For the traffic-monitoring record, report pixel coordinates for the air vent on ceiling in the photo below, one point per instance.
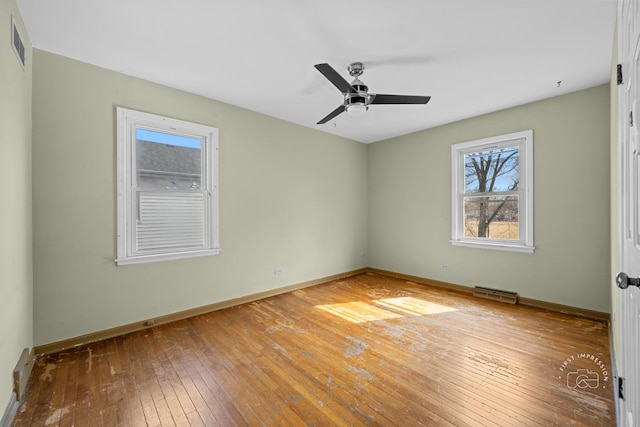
(495, 294)
(16, 42)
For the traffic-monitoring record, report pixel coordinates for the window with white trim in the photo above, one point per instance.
(167, 188)
(492, 192)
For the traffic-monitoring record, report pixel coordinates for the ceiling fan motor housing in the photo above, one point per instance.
(353, 98)
(357, 104)
(360, 97)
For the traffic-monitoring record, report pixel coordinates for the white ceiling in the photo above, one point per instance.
(472, 57)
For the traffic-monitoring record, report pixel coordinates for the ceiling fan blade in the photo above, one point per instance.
(398, 99)
(335, 78)
(331, 115)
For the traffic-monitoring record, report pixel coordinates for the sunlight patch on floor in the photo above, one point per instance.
(358, 312)
(384, 309)
(414, 306)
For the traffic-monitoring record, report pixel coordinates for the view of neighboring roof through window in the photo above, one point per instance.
(167, 160)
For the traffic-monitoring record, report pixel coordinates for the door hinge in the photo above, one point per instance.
(621, 388)
(619, 74)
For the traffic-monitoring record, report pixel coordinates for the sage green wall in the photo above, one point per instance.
(302, 200)
(409, 203)
(16, 284)
(291, 197)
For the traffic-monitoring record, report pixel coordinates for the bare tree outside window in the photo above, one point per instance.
(491, 193)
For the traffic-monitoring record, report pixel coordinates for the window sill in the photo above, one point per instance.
(500, 246)
(142, 259)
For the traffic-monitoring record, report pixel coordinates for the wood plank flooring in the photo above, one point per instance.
(366, 350)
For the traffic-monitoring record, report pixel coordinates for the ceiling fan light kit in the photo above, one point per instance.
(356, 94)
(357, 109)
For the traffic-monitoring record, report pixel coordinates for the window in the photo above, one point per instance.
(167, 188)
(492, 192)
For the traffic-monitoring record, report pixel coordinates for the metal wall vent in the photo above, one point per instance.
(16, 42)
(495, 294)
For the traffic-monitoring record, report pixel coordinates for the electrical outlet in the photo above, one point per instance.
(277, 271)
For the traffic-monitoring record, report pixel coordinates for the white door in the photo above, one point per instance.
(629, 136)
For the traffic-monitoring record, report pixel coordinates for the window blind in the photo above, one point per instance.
(170, 220)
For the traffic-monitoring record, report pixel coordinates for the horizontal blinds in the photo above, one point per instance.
(170, 220)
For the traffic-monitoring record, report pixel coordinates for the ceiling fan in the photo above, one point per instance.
(356, 96)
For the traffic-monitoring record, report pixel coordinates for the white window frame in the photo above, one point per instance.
(127, 123)
(524, 140)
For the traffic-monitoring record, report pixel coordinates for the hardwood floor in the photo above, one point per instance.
(366, 350)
